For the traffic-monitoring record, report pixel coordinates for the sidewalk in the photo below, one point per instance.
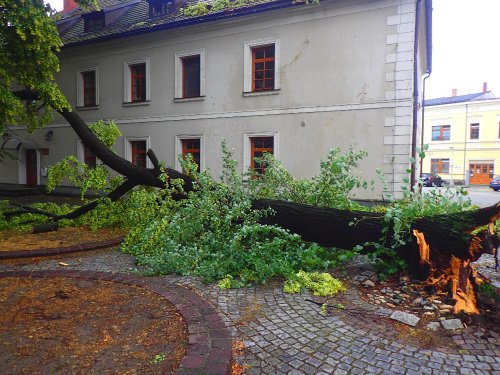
(286, 334)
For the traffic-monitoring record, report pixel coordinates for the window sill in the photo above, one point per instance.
(261, 93)
(193, 99)
(135, 104)
(89, 108)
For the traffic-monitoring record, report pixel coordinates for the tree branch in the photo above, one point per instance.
(113, 196)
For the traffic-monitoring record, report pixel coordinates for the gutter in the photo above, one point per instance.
(428, 34)
(223, 15)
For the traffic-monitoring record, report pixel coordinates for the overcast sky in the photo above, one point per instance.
(466, 46)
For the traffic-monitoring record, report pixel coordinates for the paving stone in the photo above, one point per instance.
(405, 317)
(287, 336)
(452, 324)
(433, 326)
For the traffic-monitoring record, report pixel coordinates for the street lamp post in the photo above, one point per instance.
(451, 167)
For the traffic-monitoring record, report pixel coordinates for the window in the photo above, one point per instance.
(441, 133)
(87, 88)
(138, 82)
(94, 21)
(85, 155)
(258, 147)
(190, 75)
(474, 131)
(440, 165)
(138, 153)
(89, 95)
(189, 144)
(161, 8)
(261, 67)
(136, 90)
(192, 146)
(89, 157)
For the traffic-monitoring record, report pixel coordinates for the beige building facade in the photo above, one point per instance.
(333, 74)
(463, 134)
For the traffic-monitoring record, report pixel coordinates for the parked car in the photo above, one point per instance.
(495, 184)
(432, 179)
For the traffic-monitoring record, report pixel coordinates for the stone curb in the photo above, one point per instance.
(209, 345)
(60, 250)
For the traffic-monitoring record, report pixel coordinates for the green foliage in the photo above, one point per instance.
(158, 358)
(216, 235)
(331, 188)
(387, 262)
(195, 10)
(200, 9)
(30, 42)
(25, 222)
(320, 284)
(228, 282)
(106, 131)
(487, 289)
(401, 213)
(95, 179)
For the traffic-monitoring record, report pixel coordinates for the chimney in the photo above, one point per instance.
(69, 5)
(453, 92)
(485, 87)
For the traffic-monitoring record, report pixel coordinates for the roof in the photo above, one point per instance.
(459, 99)
(131, 17)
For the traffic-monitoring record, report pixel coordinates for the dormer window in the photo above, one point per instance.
(94, 21)
(159, 8)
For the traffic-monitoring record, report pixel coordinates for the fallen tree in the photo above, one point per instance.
(439, 248)
(439, 252)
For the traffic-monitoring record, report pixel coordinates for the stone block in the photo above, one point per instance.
(452, 324)
(405, 318)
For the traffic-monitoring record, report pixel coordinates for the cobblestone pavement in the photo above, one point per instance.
(286, 334)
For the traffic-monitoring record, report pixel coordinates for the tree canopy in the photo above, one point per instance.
(28, 61)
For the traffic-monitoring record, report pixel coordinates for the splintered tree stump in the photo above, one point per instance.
(440, 253)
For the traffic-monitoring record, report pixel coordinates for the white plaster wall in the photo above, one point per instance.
(345, 72)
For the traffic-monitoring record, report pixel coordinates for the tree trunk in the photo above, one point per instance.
(440, 251)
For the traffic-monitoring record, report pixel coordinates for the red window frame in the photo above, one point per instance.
(186, 76)
(440, 165)
(89, 88)
(474, 131)
(263, 68)
(138, 153)
(89, 157)
(257, 149)
(192, 146)
(138, 82)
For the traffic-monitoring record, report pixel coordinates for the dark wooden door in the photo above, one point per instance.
(31, 168)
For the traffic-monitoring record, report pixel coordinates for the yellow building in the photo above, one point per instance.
(463, 134)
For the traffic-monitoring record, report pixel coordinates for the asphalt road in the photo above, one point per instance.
(482, 196)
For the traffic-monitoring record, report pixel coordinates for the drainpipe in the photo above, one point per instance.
(415, 95)
(466, 180)
(427, 75)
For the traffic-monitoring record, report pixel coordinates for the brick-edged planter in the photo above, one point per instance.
(209, 340)
(44, 252)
